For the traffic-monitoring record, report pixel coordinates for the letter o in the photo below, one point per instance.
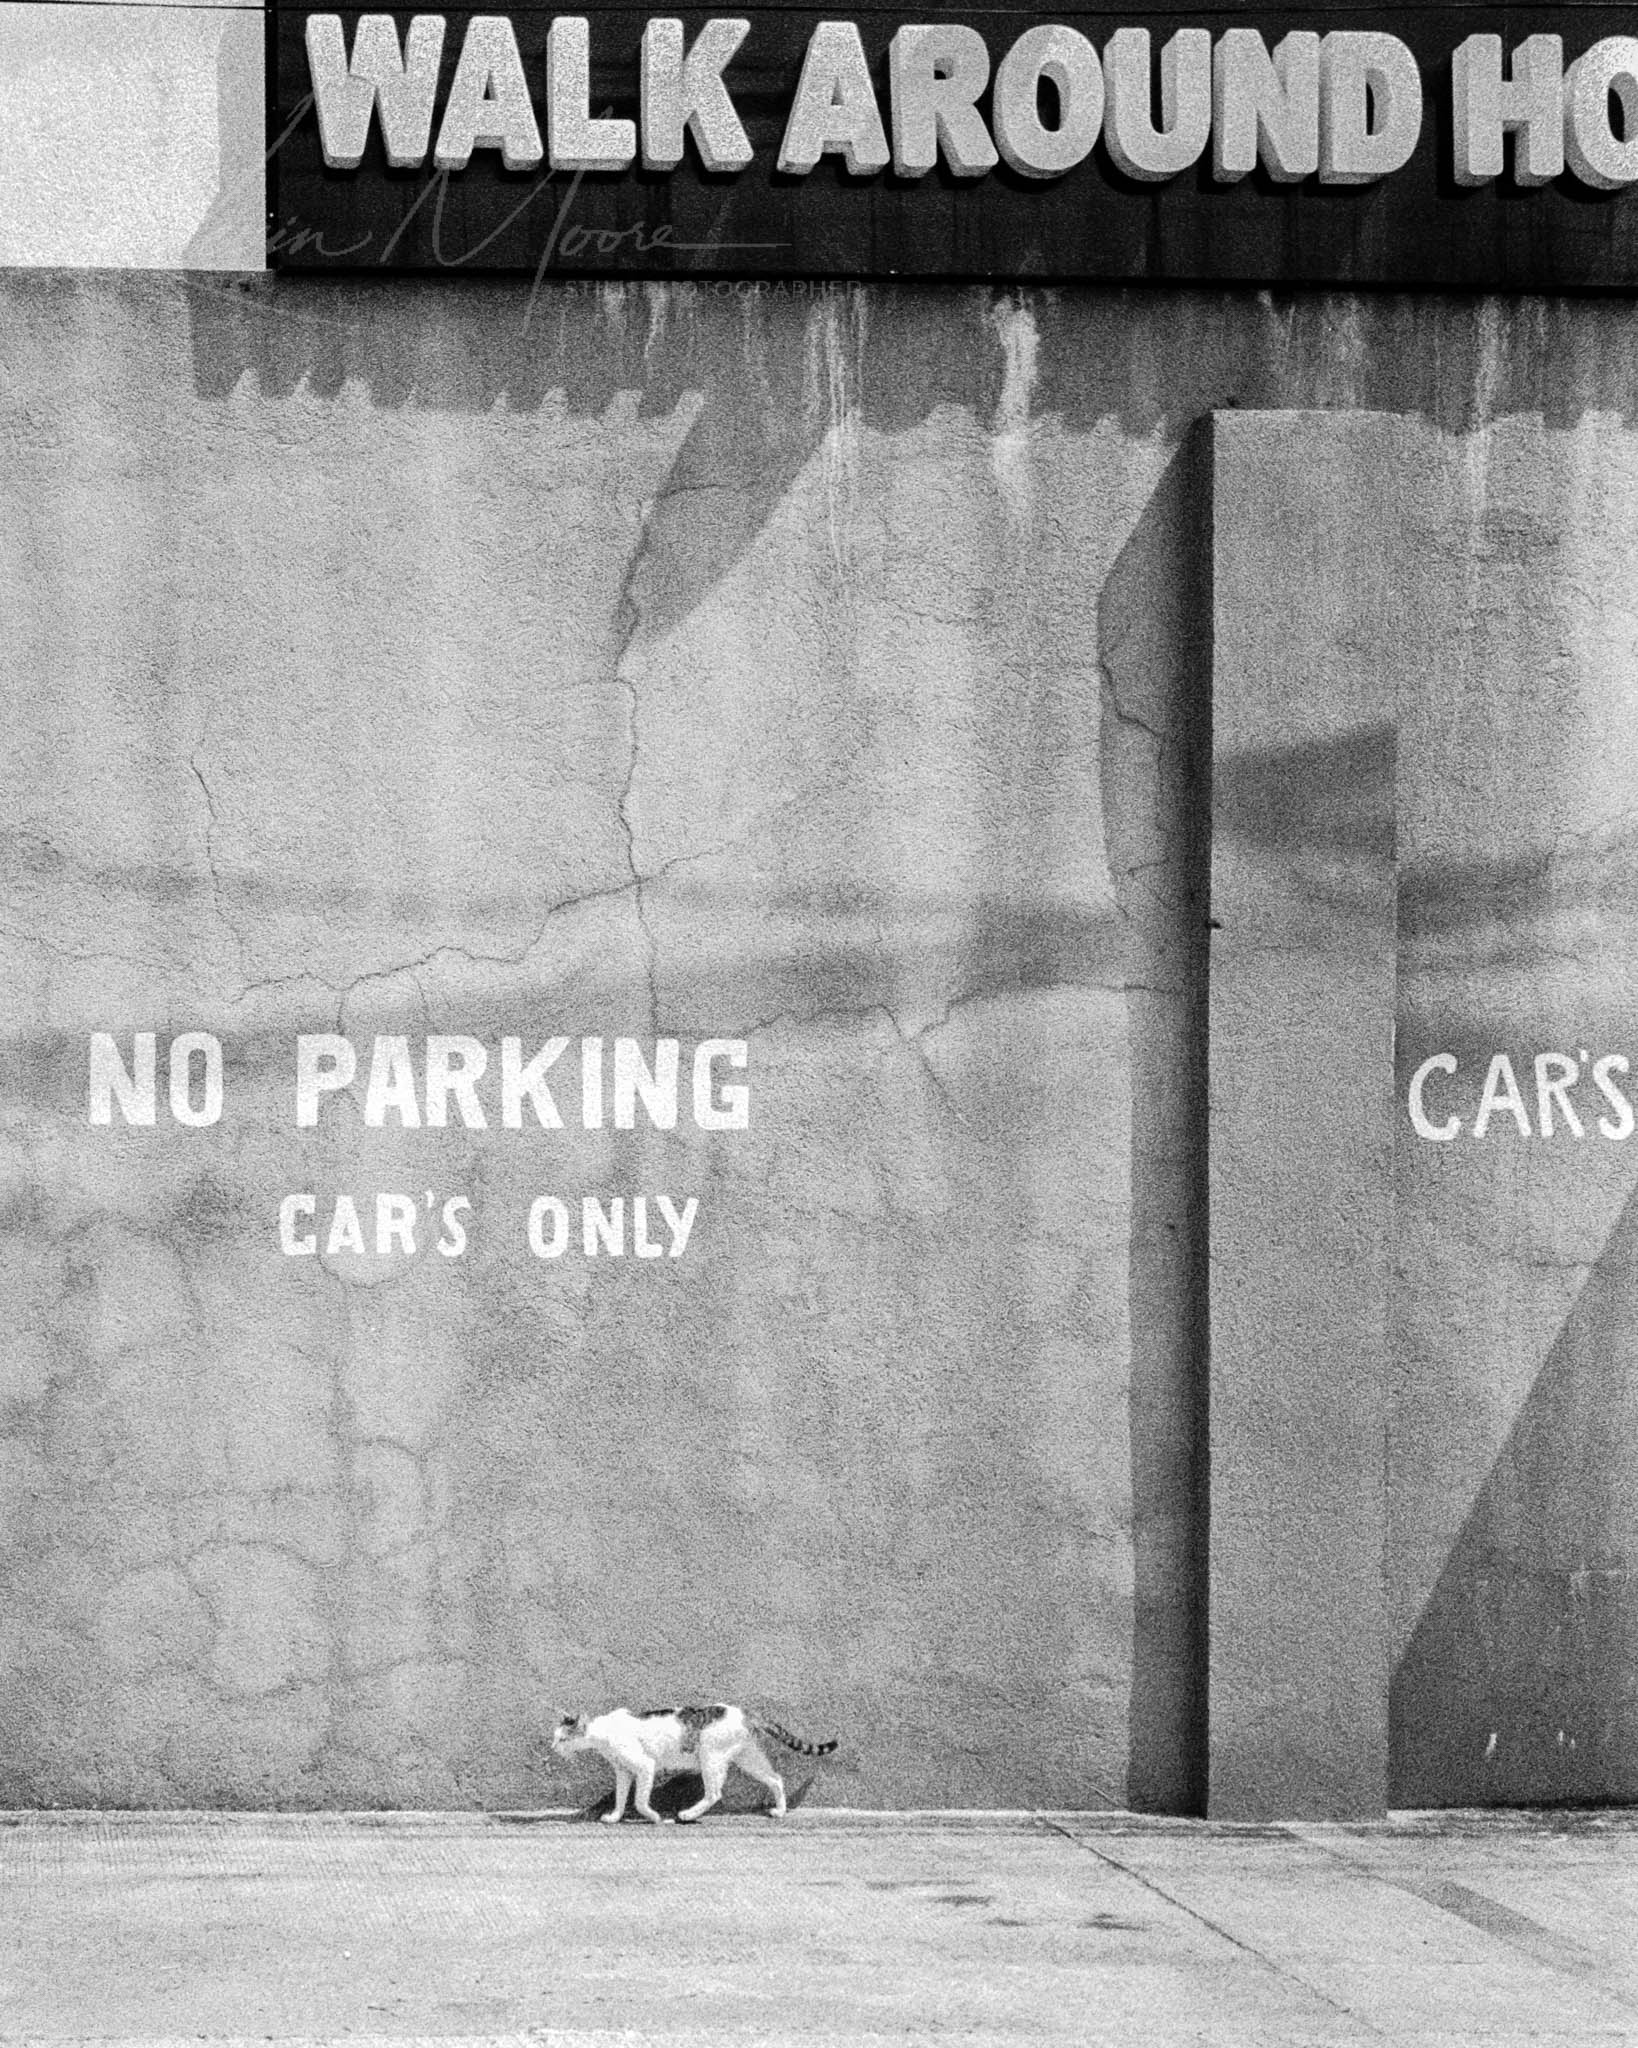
(1069, 60)
(182, 1052)
(1438, 1063)
(1591, 148)
(554, 1246)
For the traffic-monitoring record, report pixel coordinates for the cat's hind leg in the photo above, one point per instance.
(645, 1785)
(714, 1770)
(622, 1785)
(755, 1765)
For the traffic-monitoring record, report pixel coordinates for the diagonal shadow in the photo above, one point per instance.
(1519, 1685)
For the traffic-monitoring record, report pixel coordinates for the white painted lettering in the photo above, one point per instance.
(543, 1211)
(633, 1080)
(394, 1220)
(325, 1062)
(391, 1085)
(1613, 1063)
(107, 1080)
(520, 1083)
(1556, 1073)
(733, 1111)
(641, 1243)
(1501, 1091)
(455, 1065)
(183, 1049)
(294, 1243)
(679, 1224)
(346, 1232)
(603, 1230)
(1421, 1122)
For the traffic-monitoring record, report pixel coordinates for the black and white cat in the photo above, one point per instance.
(665, 1740)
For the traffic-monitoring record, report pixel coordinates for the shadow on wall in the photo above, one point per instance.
(1154, 646)
(774, 368)
(1517, 1687)
(1333, 796)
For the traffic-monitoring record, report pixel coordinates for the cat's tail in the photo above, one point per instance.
(790, 1741)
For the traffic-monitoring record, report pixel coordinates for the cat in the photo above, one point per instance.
(665, 1740)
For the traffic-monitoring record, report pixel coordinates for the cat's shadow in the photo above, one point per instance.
(671, 1795)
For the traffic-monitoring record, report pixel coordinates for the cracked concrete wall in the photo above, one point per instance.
(822, 667)
(372, 691)
(1514, 1435)
(1480, 583)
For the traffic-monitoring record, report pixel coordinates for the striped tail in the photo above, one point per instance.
(790, 1741)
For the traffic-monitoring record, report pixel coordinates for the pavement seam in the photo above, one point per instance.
(1246, 1948)
(1503, 1923)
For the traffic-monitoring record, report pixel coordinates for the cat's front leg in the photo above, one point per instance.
(645, 1785)
(622, 1785)
(714, 1771)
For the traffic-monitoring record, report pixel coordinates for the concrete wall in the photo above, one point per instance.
(827, 669)
(837, 670)
(132, 135)
(1514, 1533)
(638, 671)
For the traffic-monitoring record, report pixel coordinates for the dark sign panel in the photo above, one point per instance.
(1444, 145)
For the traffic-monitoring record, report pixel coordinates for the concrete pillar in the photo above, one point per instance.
(1301, 1110)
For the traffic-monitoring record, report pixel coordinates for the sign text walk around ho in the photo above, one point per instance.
(1466, 146)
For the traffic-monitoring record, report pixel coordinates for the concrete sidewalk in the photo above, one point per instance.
(826, 1928)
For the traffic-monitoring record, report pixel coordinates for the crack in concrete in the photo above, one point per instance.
(87, 958)
(211, 824)
(628, 623)
(1215, 1927)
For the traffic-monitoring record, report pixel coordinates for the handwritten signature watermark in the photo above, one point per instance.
(566, 241)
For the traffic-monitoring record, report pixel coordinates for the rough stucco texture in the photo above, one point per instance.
(132, 135)
(622, 672)
(1514, 1441)
(1301, 1111)
(830, 670)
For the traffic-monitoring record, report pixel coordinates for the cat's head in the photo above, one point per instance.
(570, 1733)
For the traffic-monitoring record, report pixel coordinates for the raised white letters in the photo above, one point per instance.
(835, 108)
(935, 74)
(1265, 105)
(1135, 144)
(1592, 149)
(401, 82)
(1528, 105)
(685, 92)
(574, 140)
(1370, 106)
(1068, 62)
(488, 105)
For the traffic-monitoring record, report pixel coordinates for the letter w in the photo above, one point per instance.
(403, 83)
